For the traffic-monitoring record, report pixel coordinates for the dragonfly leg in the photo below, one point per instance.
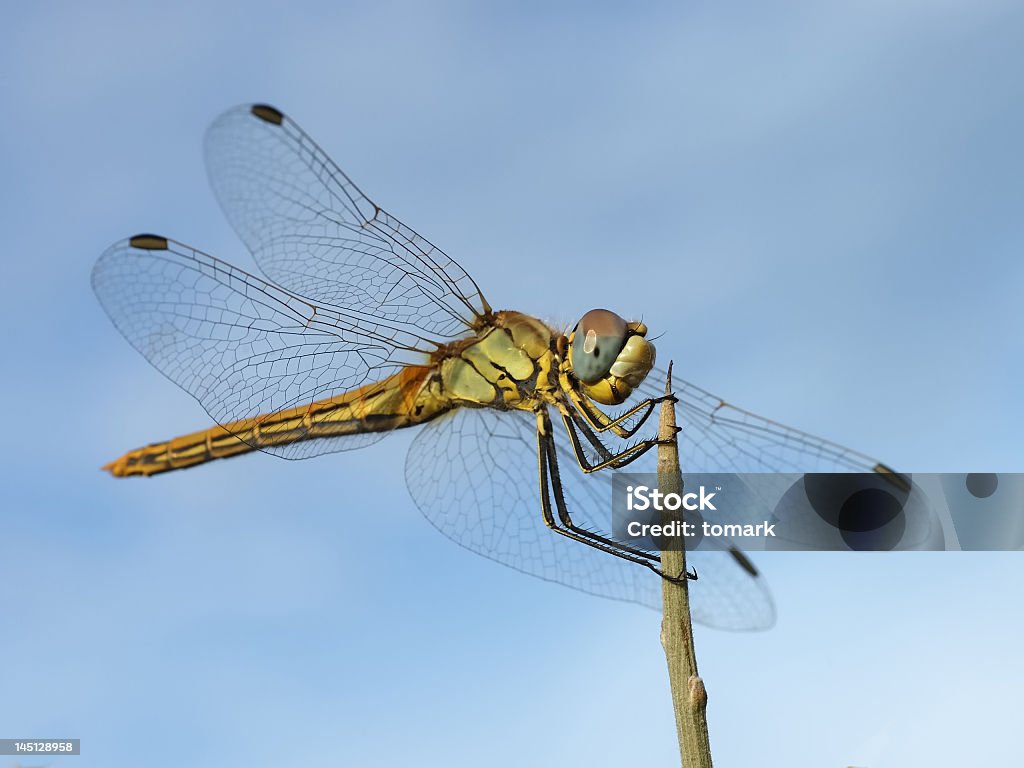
(551, 487)
(600, 421)
(574, 422)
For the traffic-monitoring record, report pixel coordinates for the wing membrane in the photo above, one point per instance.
(241, 346)
(314, 232)
(719, 437)
(473, 474)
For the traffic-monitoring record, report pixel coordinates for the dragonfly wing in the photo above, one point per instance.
(730, 592)
(241, 346)
(719, 437)
(474, 475)
(314, 232)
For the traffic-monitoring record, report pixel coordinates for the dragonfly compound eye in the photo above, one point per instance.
(597, 340)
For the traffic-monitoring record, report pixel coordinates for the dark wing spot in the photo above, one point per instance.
(267, 113)
(743, 561)
(149, 242)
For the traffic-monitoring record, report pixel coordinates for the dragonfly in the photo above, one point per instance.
(360, 327)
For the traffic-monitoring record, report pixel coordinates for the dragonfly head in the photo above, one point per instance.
(609, 356)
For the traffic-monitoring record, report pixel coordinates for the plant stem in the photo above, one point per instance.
(689, 697)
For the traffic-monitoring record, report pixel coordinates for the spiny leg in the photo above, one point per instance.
(617, 548)
(572, 532)
(600, 421)
(548, 465)
(572, 422)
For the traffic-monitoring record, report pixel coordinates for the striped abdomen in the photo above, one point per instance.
(398, 401)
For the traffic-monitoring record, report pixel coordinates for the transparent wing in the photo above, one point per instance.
(719, 437)
(312, 231)
(474, 475)
(241, 346)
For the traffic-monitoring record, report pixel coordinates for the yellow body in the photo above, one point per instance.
(510, 362)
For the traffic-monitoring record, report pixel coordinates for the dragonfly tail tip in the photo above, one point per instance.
(116, 468)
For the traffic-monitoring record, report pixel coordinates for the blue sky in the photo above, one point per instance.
(818, 205)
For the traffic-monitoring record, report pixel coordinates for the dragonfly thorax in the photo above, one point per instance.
(509, 362)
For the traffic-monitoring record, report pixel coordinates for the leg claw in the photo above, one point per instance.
(690, 574)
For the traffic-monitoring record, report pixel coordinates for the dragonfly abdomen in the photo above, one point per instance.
(401, 400)
(179, 453)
